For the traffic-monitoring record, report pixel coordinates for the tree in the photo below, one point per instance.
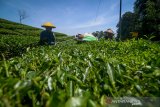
(148, 15)
(98, 34)
(22, 15)
(128, 22)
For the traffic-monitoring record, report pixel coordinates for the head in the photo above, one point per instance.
(109, 33)
(48, 28)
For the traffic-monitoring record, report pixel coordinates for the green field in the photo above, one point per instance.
(76, 75)
(15, 38)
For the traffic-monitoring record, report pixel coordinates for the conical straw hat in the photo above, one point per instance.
(109, 31)
(48, 24)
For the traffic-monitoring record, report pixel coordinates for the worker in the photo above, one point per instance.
(47, 36)
(108, 34)
(85, 37)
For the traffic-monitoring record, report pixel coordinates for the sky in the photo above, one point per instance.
(69, 16)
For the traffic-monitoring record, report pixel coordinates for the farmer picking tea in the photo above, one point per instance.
(47, 37)
(85, 37)
(108, 34)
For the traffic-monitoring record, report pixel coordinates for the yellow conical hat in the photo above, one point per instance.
(48, 24)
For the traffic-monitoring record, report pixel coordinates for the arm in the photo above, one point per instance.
(52, 39)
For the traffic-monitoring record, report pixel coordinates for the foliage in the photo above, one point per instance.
(99, 34)
(13, 28)
(15, 38)
(60, 34)
(148, 13)
(71, 75)
(128, 22)
(12, 45)
(145, 20)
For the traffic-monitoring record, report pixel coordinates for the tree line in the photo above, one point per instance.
(145, 20)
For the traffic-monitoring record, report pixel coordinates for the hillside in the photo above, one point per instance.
(15, 38)
(12, 28)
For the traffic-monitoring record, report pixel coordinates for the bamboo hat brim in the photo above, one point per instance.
(48, 24)
(109, 31)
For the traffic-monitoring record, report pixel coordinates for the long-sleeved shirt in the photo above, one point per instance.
(89, 37)
(47, 37)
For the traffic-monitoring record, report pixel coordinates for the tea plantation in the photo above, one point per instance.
(75, 75)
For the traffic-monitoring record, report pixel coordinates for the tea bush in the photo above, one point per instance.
(71, 74)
